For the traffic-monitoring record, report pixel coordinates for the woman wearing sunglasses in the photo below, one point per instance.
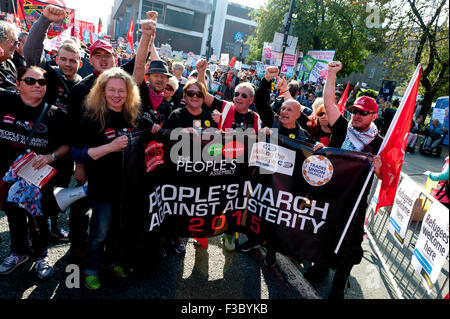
(22, 130)
(192, 116)
(317, 123)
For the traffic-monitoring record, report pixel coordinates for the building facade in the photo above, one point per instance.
(6, 6)
(186, 24)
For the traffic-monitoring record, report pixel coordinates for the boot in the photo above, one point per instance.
(338, 287)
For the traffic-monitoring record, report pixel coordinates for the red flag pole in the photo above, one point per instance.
(392, 150)
(130, 34)
(388, 135)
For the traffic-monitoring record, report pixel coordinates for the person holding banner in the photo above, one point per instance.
(61, 79)
(102, 58)
(231, 116)
(286, 123)
(360, 135)
(28, 122)
(112, 111)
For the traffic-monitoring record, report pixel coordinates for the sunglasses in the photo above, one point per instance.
(32, 81)
(362, 113)
(194, 93)
(244, 95)
(169, 88)
(321, 114)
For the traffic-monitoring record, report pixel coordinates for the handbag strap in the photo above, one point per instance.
(38, 121)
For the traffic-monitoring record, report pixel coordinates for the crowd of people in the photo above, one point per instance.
(80, 121)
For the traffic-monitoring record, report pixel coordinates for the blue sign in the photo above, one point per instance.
(86, 36)
(238, 36)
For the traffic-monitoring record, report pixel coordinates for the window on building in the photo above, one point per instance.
(179, 18)
(154, 6)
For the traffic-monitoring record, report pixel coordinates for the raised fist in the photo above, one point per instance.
(152, 15)
(201, 65)
(271, 72)
(148, 27)
(54, 13)
(334, 67)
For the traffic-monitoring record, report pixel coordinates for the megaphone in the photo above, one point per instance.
(66, 196)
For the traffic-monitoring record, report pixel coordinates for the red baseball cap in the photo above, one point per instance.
(101, 44)
(365, 103)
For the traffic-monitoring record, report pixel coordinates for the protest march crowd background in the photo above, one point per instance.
(163, 150)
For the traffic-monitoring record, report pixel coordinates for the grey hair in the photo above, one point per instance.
(6, 29)
(248, 86)
(22, 35)
(178, 65)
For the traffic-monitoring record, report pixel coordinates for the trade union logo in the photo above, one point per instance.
(110, 133)
(233, 149)
(8, 118)
(317, 170)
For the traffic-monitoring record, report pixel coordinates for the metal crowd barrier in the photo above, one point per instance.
(396, 260)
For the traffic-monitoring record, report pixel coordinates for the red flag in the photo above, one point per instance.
(130, 34)
(232, 62)
(100, 25)
(343, 100)
(392, 151)
(229, 78)
(19, 10)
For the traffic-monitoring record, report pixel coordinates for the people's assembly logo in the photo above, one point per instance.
(317, 170)
(233, 149)
(215, 149)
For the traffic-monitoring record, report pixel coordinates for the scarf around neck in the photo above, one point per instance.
(357, 141)
(155, 98)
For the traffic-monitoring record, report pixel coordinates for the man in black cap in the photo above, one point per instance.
(155, 109)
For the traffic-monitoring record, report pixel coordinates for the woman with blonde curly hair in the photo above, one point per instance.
(112, 113)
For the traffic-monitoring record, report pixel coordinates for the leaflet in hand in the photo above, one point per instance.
(38, 177)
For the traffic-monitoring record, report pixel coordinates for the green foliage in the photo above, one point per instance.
(367, 92)
(339, 25)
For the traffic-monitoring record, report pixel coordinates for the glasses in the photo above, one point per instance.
(362, 113)
(244, 95)
(14, 42)
(321, 114)
(169, 88)
(32, 81)
(194, 93)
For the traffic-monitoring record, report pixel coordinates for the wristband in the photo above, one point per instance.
(53, 155)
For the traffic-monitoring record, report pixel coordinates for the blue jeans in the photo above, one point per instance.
(103, 241)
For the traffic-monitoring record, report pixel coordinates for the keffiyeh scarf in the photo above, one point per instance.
(357, 141)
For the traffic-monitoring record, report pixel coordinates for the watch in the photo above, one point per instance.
(53, 155)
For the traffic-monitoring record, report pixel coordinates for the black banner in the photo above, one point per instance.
(202, 185)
